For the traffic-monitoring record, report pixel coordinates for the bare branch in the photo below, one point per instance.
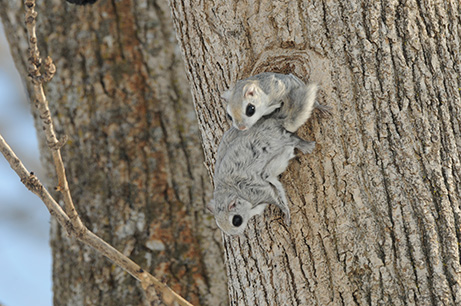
(69, 218)
(42, 104)
(32, 183)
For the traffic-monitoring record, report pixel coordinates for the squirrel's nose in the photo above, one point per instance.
(242, 127)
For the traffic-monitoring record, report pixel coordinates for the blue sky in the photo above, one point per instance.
(25, 255)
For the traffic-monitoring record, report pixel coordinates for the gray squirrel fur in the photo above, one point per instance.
(246, 174)
(265, 93)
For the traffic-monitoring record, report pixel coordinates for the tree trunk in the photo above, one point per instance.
(133, 158)
(376, 207)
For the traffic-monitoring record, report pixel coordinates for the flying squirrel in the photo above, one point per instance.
(246, 173)
(264, 93)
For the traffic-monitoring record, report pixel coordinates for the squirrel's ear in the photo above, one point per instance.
(231, 205)
(210, 206)
(250, 90)
(227, 95)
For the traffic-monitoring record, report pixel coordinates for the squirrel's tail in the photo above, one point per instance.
(300, 106)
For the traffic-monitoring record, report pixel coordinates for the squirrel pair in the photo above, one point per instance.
(256, 150)
(265, 110)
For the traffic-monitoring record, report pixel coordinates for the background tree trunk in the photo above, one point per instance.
(133, 158)
(376, 207)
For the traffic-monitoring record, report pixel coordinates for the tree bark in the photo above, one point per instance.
(133, 158)
(376, 208)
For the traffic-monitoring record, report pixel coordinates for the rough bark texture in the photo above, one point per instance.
(133, 157)
(376, 208)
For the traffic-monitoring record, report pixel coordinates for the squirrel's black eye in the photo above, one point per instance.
(237, 220)
(229, 117)
(250, 111)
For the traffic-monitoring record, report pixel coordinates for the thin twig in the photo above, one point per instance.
(148, 281)
(33, 184)
(69, 218)
(42, 104)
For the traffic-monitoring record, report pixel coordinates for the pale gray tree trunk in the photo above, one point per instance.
(133, 158)
(376, 208)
